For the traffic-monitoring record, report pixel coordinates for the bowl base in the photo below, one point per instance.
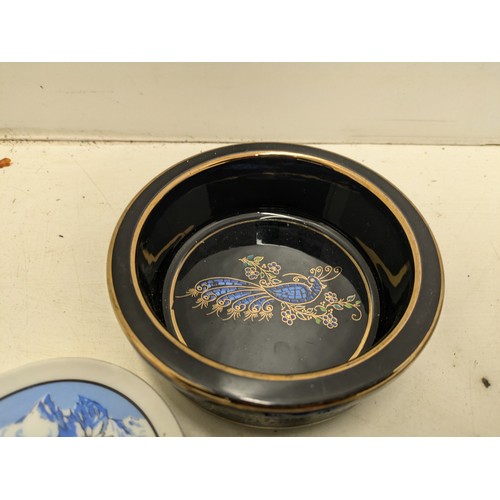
(270, 419)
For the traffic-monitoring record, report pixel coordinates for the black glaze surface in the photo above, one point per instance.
(281, 185)
(288, 186)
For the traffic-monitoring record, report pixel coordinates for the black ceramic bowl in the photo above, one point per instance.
(275, 284)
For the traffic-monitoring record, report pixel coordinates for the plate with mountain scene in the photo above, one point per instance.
(76, 397)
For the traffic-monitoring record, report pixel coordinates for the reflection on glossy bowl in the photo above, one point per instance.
(275, 284)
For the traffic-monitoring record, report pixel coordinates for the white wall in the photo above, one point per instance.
(406, 103)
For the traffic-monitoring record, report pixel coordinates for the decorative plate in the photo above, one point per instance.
(76, 397)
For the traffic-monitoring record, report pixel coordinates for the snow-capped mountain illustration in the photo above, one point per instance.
(87, 418)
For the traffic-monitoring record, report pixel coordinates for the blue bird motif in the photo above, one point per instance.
(298, 296)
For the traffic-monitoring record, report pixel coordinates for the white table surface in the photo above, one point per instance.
(60, 202)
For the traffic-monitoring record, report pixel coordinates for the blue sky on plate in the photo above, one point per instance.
(65, 394)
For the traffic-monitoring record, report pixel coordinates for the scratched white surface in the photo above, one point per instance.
(397, 103)
(59, 203)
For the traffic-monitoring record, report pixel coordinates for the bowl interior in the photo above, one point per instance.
(274, 264)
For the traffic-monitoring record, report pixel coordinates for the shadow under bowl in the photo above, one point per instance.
(275, 284)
